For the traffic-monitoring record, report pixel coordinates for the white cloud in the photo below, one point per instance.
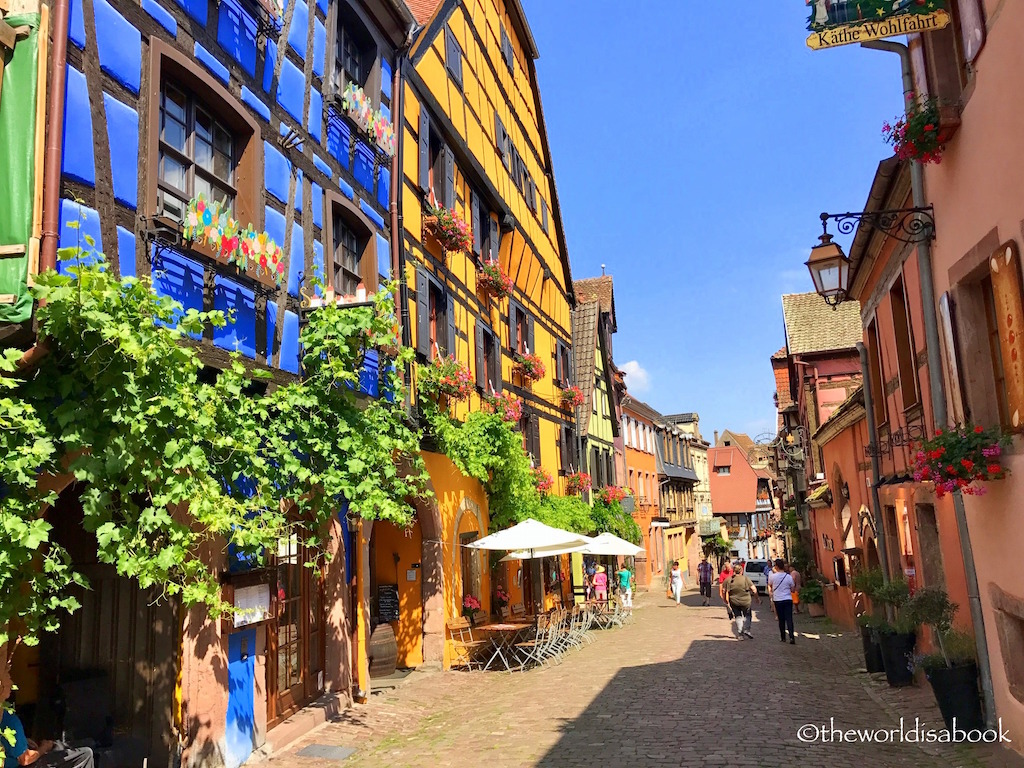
(636, 377)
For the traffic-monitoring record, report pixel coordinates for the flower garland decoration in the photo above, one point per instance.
(960, 457)
(492, 278)
(576, 483)
(210, 224)
(613, 493)
(571, 397)
(374, 122)
(450, 230)
(506, 405)
(447, 377)
(531, 366)
(543, 480)
(915, 136)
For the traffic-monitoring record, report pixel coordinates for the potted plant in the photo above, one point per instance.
(506, 405)
(470, 605)
(530, 367)
(501, 598)
(916, 135)
(812, 594)
(445, 379)
(953, 671)
(897, 637)
(492, 279)
(576, 483)
(448, 227)
(543, 480)
(961, 456)
(867, 582)
(869, 624)
(571, 397)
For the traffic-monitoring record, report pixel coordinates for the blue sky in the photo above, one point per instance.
(693, 149)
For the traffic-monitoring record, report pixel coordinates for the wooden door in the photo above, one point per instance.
(295, 638)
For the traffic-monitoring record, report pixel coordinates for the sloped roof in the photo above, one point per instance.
(813, 326)
(584, 342)
(640, 408)
(740, 440)
(782, 354)
(722, 457)
(600, 289)
(422, 10)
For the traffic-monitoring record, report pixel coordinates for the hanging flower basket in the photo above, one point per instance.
(543, 480)
(506, 405)
(612, 493)
(577, 483)
(960, 457)
(530, 367)
(445, 378)
(571, 397)
(492, 278)
(450, 230)
(917, 135)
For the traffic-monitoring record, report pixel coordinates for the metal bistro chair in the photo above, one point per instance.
(466, 649)
(531, 650)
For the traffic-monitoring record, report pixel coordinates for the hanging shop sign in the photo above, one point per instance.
(844, 22)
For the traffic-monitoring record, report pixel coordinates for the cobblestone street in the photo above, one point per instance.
(672, 689)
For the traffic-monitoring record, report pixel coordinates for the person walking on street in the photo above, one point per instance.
(601, 584)
(705, 575)
(725, 573)
(625, 577)
(740, 592)
(676, 582)
(796, 587)
(780, 588)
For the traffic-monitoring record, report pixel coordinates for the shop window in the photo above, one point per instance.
(196, 153)
(471, 569)
(905, 350)
(435, 317)
(488, 359)
(875, 371)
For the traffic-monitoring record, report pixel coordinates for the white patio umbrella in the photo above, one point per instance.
(609, 544)
(531, 536)
(527, 554)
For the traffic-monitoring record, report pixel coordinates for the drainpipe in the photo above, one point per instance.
(876, 506)
(397, 234)
(54, 139)
(938, 397)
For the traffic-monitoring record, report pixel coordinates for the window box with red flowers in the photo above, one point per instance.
(919, 134)
(492, 279)
(612, 493)
(448, 227)
(960, 457)
(577, 483)
(506, 405)
(543, 480)
(445, 379)
(571, 397)
(470, 605)
(530, 367)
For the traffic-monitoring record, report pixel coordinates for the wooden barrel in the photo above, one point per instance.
(383, 651)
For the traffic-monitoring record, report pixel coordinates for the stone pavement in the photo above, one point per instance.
(675, 688)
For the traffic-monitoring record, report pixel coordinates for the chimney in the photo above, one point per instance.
(716, 437)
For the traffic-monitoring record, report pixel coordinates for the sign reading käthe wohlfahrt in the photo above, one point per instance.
(843, 22)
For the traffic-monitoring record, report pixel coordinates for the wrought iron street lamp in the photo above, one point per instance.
(829, 268)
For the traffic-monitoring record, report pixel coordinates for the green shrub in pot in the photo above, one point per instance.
(812, 592)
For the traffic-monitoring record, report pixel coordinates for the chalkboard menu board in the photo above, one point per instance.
(387, 602)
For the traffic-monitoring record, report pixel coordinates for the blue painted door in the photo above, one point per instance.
(240, 734)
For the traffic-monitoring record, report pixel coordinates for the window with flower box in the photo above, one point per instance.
(488, 359)
(435, 317)
(355, 52)
(520, 323)
(563, 364)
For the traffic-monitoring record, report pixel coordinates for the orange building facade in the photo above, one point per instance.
(641, 465)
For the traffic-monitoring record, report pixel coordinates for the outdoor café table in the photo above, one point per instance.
(502, 637)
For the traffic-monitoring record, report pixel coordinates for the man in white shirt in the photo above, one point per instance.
(780, 587)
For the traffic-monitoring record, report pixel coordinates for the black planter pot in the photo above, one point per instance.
(872, 651)
(897, 656)
(956, 691)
